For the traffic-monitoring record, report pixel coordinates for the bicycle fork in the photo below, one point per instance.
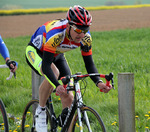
(79, 106)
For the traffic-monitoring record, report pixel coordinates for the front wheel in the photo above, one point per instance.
(28, 118)
(91, 121)
(3, 118)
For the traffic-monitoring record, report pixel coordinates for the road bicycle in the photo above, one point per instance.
(79, 118)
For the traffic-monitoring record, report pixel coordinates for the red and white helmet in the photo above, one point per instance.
(79, 16)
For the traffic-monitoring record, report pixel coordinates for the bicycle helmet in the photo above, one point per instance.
(80, 17)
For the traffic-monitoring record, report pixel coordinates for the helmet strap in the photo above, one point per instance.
(69, 33)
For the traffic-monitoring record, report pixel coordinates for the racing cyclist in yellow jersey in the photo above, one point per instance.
(45, 55)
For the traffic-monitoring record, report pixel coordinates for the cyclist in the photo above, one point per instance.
(5, 53)
(45, 55)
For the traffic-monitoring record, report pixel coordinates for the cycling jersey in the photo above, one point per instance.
(50, 40)
(3, 49)
(52, 37)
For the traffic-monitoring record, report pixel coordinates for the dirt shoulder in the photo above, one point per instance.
(103, 20)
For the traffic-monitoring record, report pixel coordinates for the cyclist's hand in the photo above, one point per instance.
(60, 90)
(104, 88)
(12, 65)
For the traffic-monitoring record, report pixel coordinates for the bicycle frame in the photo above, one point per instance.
(11, 73)
(71, 111)
(76, 104)
(68, 119)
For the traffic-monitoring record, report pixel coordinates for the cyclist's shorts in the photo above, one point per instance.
(33, 59)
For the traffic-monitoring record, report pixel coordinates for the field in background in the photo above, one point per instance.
(103, 20)
(26, 4)
(113, 51)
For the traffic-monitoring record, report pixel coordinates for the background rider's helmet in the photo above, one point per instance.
(80, 17)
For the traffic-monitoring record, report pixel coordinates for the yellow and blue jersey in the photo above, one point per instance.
(52, 37)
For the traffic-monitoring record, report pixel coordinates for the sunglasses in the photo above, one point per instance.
(79, 31)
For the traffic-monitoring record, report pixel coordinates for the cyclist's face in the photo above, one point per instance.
(76, 34)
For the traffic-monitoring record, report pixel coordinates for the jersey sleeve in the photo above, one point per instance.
(47, 70)
(3, 49)
(86, 45)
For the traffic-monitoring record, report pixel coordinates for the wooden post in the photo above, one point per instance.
(126, 102)
(36, 81)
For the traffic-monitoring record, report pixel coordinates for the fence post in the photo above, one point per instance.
(126, 102)
(36, 81)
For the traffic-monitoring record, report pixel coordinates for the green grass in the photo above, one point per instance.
(113, 51)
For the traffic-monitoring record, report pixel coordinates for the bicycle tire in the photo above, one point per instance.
(28, 120)
(4, 127)
(96, 123)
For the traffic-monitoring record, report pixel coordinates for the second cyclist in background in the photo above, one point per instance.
(5, 53)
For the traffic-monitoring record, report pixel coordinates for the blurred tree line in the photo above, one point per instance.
(120, 2)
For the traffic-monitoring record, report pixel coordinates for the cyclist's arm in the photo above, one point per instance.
(46, 68)
(4, 50)
(5, 53)
(86, 50)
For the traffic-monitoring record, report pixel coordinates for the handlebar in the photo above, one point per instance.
(78, 77)
(11, 73)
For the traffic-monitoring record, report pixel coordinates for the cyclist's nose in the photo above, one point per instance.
(81, 35)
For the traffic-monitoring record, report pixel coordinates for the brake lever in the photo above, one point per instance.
(112, 82)
(15, 75)
(108, 78)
